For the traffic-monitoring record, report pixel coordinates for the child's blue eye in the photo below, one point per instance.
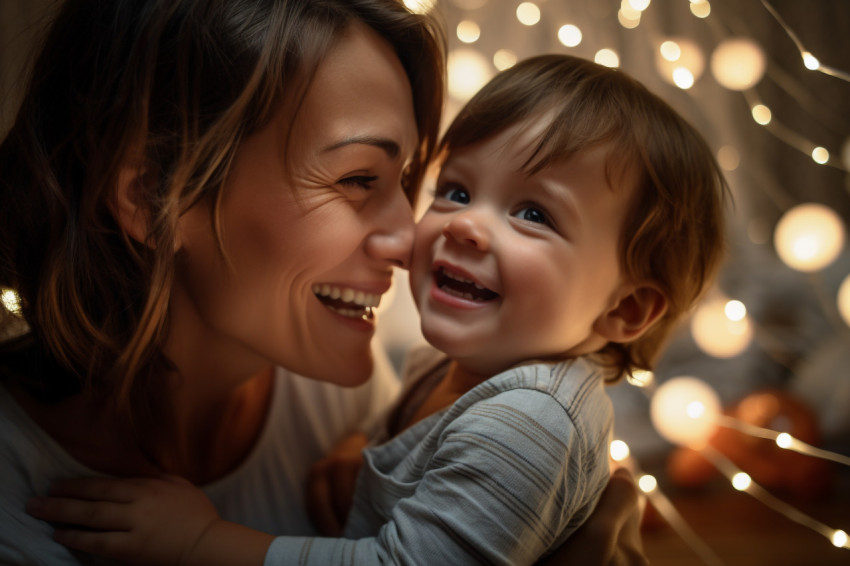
(532, 214)
(455, 194)
(362, 181)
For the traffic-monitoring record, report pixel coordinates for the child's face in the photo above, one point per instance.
(508, 267)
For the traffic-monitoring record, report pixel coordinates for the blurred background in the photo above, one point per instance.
(767, 84)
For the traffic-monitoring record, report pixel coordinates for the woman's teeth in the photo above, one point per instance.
(346, 301)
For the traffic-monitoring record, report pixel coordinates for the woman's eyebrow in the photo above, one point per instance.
(391, 147)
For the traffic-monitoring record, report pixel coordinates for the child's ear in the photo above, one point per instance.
(637, 309)
(128, 204)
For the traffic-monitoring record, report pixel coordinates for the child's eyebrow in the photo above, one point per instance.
(556, 191)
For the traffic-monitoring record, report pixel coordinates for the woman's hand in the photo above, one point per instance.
(611, 536)
(140, 521)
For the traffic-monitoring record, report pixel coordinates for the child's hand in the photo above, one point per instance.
(330, 485)
(141, 521)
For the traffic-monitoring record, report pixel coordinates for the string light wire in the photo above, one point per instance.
(782, 439)
(809, 60)
(734, 474)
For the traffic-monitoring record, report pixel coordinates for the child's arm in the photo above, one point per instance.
(147, 521)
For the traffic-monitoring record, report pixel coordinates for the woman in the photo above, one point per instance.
(192, 194)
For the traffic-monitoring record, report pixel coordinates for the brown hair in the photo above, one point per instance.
(673, 235)
(175, 85)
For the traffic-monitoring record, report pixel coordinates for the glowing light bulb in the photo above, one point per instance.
(683, 78)
(839, 538)
(468, 31)
(680, 61)
(700, 8)
(639, 5)
(670, 51)
(716, 333)
(619, 450)
(528, 13)
(684, 411)
(844, 300)
(11, 301)
(728, 158)
(809, 237)
(741, 481)
(735, 310)
(820, 155)
(504, 59)
(738, 64)
(419, 6)
(607, 57)
(762, 114)
(640, 378)
(468, 70)
(810, 61)
(628, 21)
(569, 35)
(647, 483)
(784, 440)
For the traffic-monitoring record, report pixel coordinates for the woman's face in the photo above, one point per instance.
(310, 237)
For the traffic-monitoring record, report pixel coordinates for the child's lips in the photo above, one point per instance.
(457, 284)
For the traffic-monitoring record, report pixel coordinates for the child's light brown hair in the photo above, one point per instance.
(673, 235)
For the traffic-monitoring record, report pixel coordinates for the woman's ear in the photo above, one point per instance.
(637, 309)
(128, 204)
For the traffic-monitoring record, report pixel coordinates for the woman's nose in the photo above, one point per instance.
(392, 237)
(470, 229)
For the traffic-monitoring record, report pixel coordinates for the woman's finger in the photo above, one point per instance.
(89, 514)
(95, 489)
(111, 544)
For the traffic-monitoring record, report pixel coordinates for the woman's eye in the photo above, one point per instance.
(455, 194)
(532, 214)
(362, 181)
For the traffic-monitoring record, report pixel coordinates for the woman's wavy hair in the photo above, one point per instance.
(173, 86)
(674, 231)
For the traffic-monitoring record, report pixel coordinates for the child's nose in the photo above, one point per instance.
(469, 229)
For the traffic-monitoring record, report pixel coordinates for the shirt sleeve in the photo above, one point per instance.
(503, 485)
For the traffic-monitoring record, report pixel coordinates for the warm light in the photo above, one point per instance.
(680, 61)
(647, 483)
(701, 8)
(626, 21)
(419, 6)
(640, 378)
(683, 78)
(810, 61)
(684, 411)
(607, 57)
(784, 440)
(809, 237)
(569, 35)
(716, 333)
(728, 158)
(741, 481)
(844, 300)
(468, 71)
(468, 31)
(762, 114)
(528, 13)
(10, 301)
(738, 64)
(670, 50)
(639, 5)
(735, 310)
(619, 450)
(504, 59)
(820, 155)
(628, 11)
(839, 538)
